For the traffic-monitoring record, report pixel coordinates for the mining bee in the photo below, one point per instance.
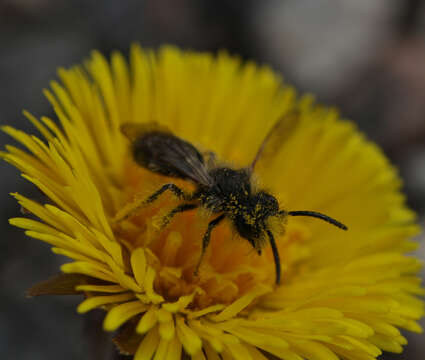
(227, 192)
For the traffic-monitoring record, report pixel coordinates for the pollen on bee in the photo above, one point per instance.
(249, 219)
(276, 224)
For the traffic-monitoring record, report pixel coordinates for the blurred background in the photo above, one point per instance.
(365, 57)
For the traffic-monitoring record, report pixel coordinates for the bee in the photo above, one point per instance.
(227, 193)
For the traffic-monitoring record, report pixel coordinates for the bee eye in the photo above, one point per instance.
(268, 202)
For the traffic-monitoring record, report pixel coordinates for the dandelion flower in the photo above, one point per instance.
(343, 295)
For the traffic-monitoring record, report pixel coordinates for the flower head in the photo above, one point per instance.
(342, 294)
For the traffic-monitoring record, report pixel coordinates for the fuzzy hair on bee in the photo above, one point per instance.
(225, 192)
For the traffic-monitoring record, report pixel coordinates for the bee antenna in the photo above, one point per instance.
(275, 255)
(316, 215)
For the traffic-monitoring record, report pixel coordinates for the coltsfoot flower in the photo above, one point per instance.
(343, 295)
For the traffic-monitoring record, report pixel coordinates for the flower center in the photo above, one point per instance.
(230, 266)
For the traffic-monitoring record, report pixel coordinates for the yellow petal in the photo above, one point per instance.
(166, 324)
(119, 314)
(189, 339)
(96, 301)
(148, 346)
(148, 321)
(233, 309)
(138, 264)
(174, 349)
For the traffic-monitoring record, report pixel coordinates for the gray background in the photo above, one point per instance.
(366, 57)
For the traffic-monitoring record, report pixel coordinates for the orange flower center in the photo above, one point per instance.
(230, 267)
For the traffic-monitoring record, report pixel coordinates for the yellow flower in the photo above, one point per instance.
(343, 295)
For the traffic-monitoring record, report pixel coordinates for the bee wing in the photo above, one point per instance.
(278, 135)
(134, 131)
(157, 149)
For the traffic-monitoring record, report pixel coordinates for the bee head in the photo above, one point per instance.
(251, 222)
(264, 206)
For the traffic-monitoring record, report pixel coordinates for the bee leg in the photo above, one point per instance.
(133, 208)
(206, 239)
(171, 187)
(275, 256)
(181, 208)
